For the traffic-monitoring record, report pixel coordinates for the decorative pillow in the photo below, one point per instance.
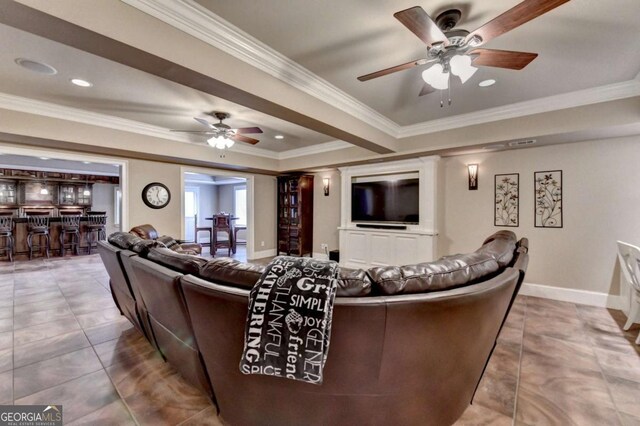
(228, 271)
(123, 240)
(453, 271)
(353, 283)
(185, 263)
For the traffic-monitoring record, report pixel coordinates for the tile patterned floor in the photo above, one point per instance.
(63, 341)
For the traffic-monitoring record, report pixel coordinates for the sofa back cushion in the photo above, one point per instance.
(146, 231)
(452, 271)
(353, 283)
(501, 246)
(142, 247)
(184, 263)
(229, 271)
(123, 240)
(168, 241)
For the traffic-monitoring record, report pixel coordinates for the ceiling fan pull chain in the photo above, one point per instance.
(441, 100)
(449, 89)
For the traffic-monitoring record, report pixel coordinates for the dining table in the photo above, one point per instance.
(232, 240)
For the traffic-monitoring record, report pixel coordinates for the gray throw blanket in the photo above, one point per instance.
(289, 319)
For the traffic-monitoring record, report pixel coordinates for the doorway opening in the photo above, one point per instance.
(216, 214)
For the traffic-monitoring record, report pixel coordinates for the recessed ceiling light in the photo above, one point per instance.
(487, 83)
(80, 82)
(44, 158)
(35, 66)
(279, 137)
(87, 162)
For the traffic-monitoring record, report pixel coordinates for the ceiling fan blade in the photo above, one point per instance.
(421, 24)
(248, 130)
(514, 17)
(240, 138)
(502, 58)
(203, 122)
(197, 132)
(392, 70)
(426, 89)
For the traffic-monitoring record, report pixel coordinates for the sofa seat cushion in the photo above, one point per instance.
(500, 246)
(184, 263)
(123, 240)
(450, 272)
(229, 271)
(353, 283)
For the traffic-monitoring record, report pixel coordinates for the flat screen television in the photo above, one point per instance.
(389, 200)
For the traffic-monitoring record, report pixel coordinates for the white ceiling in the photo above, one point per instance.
(581, 44)
(127, 93)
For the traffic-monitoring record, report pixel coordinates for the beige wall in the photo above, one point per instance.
(326, 211)
(601, 203)
(103, 199)
(167, 220)
(264, 217)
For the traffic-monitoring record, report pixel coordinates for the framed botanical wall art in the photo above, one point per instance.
(548, 199)
(507, 200)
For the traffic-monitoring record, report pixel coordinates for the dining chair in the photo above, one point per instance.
(197, 229)
(221, 224)
(629, 258)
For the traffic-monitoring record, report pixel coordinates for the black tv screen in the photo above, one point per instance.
(385, 201)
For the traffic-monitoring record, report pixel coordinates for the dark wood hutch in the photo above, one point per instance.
(21, 192)
(295, 215)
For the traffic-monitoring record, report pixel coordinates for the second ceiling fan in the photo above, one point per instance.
(455, 51)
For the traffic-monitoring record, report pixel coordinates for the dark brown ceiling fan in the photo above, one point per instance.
(222, 135)
(445, 43)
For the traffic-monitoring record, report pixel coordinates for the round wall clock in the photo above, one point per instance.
(156, 195)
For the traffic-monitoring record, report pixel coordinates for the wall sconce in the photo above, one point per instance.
(473, 176)
(325, 185)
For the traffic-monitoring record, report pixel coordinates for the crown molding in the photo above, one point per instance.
(199, 22)
(610, 92)
(62, 112)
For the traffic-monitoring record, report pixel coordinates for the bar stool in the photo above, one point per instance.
(221, 223)
(96, 223)
(38, 226)
(70, 225)
(206, 229)
(6, 231)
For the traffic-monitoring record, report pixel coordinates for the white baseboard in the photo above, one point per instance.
(263, 253)
(319, 255)
(583, 297)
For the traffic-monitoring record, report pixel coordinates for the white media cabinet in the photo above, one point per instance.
(368, 247)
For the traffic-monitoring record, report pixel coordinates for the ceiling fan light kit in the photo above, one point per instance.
(221, 135)
(453, 50)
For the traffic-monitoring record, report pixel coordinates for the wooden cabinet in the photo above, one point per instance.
(295, 215)
(73, 195)
(8, 193)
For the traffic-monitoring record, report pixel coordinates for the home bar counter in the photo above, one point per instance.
(46, 194)
(20, 233)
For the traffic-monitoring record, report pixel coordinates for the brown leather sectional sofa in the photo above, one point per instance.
(408, 346)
